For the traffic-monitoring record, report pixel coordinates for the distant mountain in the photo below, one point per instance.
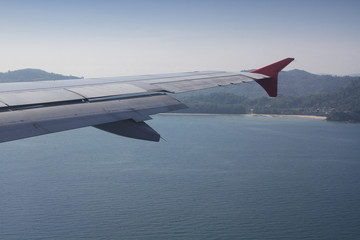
(340, 105)
(294, 83)
(27, 75)
(301, 83)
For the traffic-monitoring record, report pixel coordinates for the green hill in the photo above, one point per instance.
(340, 105)
(294, 83)
(26, 75)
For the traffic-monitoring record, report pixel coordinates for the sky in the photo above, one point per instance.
(130, 37)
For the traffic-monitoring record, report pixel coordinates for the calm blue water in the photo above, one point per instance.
(216, 177)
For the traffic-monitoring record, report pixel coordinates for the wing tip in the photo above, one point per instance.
(271, 84)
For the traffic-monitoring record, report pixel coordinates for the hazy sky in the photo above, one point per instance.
(112, 38)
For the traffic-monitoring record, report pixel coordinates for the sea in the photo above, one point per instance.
(210, 177)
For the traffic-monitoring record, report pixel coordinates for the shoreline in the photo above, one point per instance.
(251, 115)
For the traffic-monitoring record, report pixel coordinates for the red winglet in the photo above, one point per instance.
(272, 70)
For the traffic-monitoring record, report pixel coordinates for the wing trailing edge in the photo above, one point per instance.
(272, 70)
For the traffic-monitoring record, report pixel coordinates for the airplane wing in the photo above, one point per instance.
(118, 105)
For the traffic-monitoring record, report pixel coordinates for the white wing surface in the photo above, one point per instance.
(119, 105)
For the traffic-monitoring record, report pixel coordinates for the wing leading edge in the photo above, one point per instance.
(117, 105)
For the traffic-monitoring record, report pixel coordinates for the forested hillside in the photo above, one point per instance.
(25, 75)
(291, 83)
(340, 105)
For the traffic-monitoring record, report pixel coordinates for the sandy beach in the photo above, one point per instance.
(255, 115)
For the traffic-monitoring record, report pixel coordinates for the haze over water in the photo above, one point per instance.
(215, 177)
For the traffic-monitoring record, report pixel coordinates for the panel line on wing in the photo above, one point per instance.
(38, 97)
(105, 90)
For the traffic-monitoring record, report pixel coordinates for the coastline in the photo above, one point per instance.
(253, 115)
